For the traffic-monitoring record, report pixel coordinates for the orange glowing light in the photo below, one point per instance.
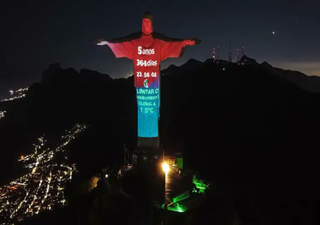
(165, 167)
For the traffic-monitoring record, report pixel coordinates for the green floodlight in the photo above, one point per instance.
(199, 184)
(177, 208)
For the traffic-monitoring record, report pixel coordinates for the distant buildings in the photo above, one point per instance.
(2, 114)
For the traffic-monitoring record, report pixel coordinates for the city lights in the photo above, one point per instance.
(43, 187)
(20, 93)
(2, 114)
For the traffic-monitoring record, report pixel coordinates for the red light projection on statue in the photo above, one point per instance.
(147, 49)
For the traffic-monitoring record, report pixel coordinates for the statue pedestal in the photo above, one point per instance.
(147, 164)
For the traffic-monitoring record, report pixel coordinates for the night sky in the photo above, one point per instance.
(37, 33)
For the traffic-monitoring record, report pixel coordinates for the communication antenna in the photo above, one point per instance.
(214, 54)
(242, 50)
(230, 54)
(238, 55)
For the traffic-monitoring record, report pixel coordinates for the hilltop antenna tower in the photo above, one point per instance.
(242, 50)
(238, 55)
(214, 54)
(230, 54)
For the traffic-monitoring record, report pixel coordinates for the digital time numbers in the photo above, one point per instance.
(146, 74)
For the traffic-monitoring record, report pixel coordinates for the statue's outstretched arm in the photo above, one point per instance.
(173, 47)
(121, 47)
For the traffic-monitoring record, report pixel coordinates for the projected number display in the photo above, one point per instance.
(146, 74)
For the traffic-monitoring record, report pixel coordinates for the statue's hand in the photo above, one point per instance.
(100, 42)
(191, 42)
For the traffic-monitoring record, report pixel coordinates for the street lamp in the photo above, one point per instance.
(165, 167)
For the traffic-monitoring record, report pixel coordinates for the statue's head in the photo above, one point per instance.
(147, 23)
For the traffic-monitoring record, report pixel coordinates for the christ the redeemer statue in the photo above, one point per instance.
(147, 49)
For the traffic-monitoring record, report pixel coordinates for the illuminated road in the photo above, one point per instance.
(171, 180)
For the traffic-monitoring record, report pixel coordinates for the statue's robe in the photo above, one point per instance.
(147, 51)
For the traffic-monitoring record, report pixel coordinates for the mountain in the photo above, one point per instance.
(247, 129)
(303, 81)
(55, 73)
(248, 61)
(190, 65)
(308, 83)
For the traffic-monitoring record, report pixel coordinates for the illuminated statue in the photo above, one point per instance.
(147, 49)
